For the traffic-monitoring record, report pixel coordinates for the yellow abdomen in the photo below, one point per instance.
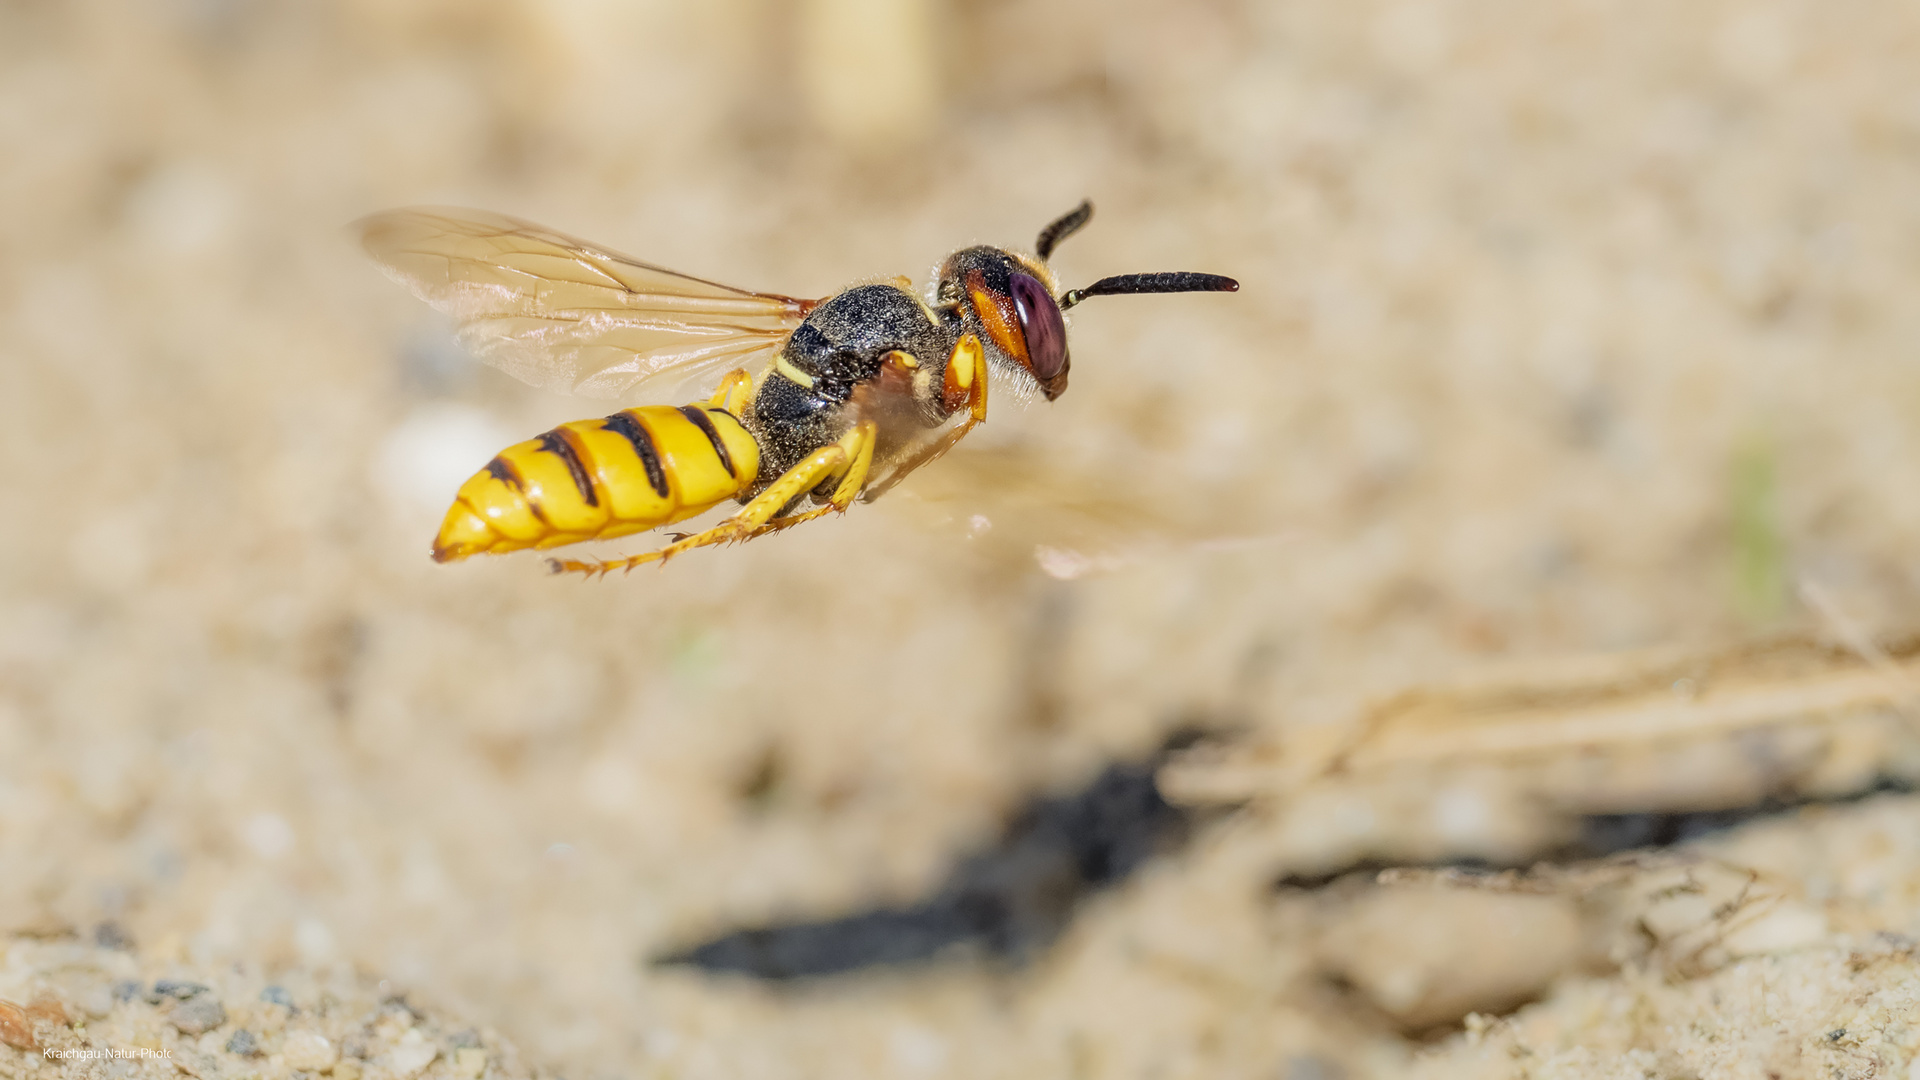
(595, 479)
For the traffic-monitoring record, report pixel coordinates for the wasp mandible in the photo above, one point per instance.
(863, 387)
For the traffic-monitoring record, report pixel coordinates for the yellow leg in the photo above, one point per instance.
(733, 393)
(849, 459)
(967, 370)
(843, 496)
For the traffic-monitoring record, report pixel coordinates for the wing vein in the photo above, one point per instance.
(562, 314)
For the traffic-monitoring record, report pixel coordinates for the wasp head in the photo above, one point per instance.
(1009, 298)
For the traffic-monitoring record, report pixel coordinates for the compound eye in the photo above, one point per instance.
(1041, 324)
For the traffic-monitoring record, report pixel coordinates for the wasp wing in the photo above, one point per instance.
(565, 315)
(1078, 520)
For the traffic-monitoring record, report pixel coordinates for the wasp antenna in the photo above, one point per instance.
(1169, 282)
(1062, 228)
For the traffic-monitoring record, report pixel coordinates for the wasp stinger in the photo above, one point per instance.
(862, 387)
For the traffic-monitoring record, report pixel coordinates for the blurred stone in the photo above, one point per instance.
(15, 1029)
(469, 1061)
(412, 1056)
(1786, 927)
(1430, 956)
(174, 988)
(48, 1010)
(243, 1044)
(309, 1051)
(198, 1015)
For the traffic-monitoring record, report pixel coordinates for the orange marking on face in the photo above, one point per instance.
(998, 317)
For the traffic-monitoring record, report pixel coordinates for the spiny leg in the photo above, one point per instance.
(848, 458)
(853, 454)
(844, 494)
(966, 381)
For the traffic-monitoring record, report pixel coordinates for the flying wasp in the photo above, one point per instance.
(854, 391)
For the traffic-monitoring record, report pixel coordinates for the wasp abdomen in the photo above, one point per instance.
(595, 479)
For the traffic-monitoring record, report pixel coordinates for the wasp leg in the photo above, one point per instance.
(966, 375)
(843, 495)
(848, 459)
(733, 393)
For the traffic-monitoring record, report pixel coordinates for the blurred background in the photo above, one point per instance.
(1564, 328)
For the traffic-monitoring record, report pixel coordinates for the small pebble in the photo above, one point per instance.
(126, 990)
(1785, 928)
(347, 1070)
(203, 1066)
(243, 1043)
(198, 1014)
(412, 1056)
(15, 1029)
(169, 988)
(469, 1061)
(277, 995)
(460, 1040)
(111, 935)
(309, 1051)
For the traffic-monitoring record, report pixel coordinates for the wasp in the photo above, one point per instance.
(852, 393)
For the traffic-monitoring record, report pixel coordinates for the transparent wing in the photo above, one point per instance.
(562, 314)
(1018, 507)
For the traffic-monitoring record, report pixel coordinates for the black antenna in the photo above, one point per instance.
(1063, 228)
(1170, 281)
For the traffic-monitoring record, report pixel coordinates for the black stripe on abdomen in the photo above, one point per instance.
(705, 423)
(555, 443)
(502, 470)
(623, 423)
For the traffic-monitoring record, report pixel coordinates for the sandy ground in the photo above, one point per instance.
(1565, 329)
